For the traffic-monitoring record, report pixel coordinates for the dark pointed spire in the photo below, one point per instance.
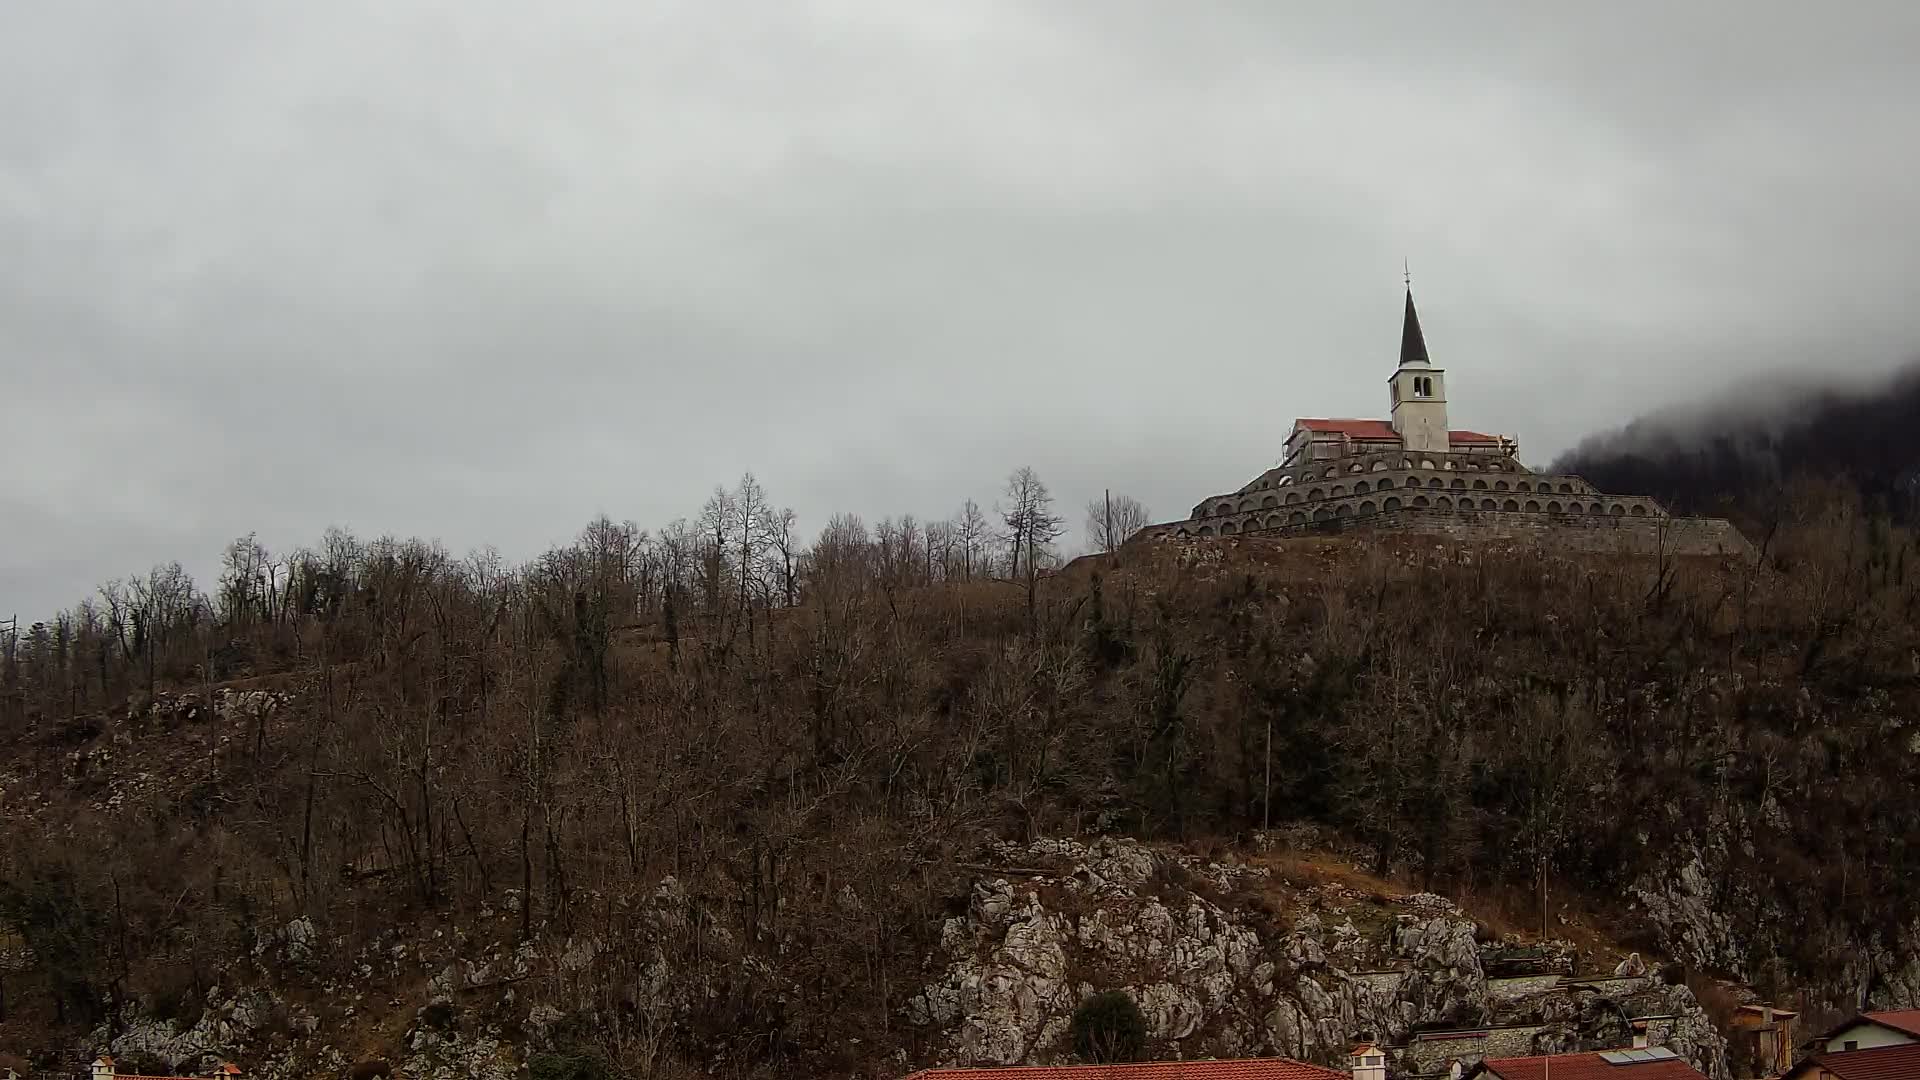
(1413, 344)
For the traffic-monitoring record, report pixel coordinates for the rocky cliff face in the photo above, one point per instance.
(1711, 906)
(1213, 980)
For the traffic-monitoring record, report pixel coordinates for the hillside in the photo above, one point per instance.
(666, 810)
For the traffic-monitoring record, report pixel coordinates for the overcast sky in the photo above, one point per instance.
(481, 270)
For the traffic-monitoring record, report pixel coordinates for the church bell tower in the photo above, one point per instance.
(1419, 391)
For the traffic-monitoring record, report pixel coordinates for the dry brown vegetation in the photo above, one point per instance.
(815, 740)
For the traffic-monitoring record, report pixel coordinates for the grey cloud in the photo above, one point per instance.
(476, 272)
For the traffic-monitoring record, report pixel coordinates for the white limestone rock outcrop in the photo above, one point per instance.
(1212, 982)
(1024, 955)
(227, 1026)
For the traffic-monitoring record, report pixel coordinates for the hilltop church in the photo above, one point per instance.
(1414, 472)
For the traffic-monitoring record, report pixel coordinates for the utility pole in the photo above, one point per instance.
(1543, 900)
(1266, 795)
(1107, 537)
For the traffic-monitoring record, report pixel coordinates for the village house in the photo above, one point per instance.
(1761, 1039)
(1453, 1053)
(1899, 1061)
(1654, 1063)
(104, 1068)
(1874, 1029)
(1871, 1046)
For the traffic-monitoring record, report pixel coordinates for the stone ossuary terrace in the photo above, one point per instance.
(1415, 474)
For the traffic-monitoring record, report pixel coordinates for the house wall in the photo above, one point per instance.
(1868, 1036)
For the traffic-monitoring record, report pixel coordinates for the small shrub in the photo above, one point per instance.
(439, 1016)
(1108, 1029)
(572, 1066)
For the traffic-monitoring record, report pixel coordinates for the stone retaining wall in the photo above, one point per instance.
(1430, 1054)
(1590, 533)
(1515, 987)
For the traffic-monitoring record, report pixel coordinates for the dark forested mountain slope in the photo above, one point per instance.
(1739, 455)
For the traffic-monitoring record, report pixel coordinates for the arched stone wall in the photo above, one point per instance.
(1252, 508)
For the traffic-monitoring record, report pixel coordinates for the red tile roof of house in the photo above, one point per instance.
(1881, 1063)
(227, 1068)
(1380, 430)
(1242, 1069)
(1588, 1067)
(1907, 1020)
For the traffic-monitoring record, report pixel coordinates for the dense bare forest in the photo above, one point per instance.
(812, 739)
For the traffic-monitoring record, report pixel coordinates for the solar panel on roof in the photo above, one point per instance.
(1636, 1057)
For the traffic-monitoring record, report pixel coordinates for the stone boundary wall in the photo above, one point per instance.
(1515, 987)
(1569, 532)
(1614, 986)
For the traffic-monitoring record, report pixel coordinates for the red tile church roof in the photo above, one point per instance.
(1352, 429)
(1243, 1069)
(1380, 430)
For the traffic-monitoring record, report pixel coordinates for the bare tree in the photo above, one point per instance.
(939, 550)
(1031, 529)
(245, 591)
(1112, 519)
(783, 552)
(970, 533)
